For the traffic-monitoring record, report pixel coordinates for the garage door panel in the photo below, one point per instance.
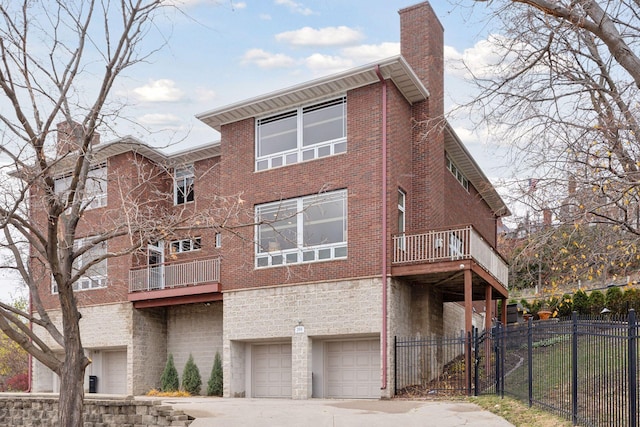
(114, 377)
(271, 370)
(353, 369)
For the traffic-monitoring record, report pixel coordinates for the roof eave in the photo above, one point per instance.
(395, 68)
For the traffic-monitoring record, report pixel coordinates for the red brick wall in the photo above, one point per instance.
(358, 170)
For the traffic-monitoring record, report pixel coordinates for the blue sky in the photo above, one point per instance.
(222, 51)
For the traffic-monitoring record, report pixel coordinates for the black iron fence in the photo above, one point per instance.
(438, 365)
(585, 369)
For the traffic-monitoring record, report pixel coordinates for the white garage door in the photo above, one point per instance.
(353, 369)
(114, 373)
(271, 370)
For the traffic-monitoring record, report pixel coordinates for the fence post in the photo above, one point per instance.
(633, 370)
(468, 361)
(530, 359)
(574, 368)
(476, 363)
(395, 364)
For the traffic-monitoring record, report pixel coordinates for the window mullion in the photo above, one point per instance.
(300, 222)
(300, 131)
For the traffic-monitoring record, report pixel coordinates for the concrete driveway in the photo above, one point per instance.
(333, 413)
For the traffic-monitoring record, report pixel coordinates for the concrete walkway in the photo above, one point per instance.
(333, 413)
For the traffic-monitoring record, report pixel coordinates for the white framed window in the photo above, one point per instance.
(306, 229)
(183, 181)
(306, 133)
(218, 240)
(456, 172)
(96, 276)
(185, 245)
(402, 217)
(95, 192)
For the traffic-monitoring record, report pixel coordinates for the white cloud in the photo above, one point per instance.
(327, 64)
(265, 17)
(328, 36)
(370, 52)
(481, 60)
(162, 90)
(204, 94)
(295, 7)
(159, 119)
(239, 5)
(264, 59)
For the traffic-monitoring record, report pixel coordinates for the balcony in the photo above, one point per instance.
(439, 257)
(175, 283)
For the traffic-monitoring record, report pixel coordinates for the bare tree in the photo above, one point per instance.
(564, 93)
(58, 63)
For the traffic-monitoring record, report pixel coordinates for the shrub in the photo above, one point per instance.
(596, 301)
(191, 381)
(169, 380)
(631, 298)
(581, 302)
(214, 386)
(614, 300)
(18, 382)
(565, 306)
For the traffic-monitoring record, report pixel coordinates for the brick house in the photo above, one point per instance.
(371, 219)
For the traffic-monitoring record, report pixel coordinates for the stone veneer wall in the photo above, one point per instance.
(103, 327)
(149, 344)
(349, 308)
(194, 329)
(30, 410)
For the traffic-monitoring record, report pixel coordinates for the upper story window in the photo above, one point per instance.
(306, 229)
(183, 185)
(456, 172)
(185, 245)
(95, 193)
(96, 275)
(306, 133)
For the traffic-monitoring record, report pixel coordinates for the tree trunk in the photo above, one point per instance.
(70, 412)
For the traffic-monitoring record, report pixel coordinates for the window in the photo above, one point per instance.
(402, 199)
(218, 240)
(456, 172)
(307, 229)
(95, 194)
(183, 185)
(305, 133)
(185, 245)
(96, 275)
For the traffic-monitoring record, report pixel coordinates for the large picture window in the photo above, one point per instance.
(306, 133)
(96, 275)
(95, 193)
(307, 229)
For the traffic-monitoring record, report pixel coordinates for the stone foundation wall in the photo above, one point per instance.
(31, 411)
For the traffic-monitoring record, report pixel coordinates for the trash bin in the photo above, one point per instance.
(93, 384)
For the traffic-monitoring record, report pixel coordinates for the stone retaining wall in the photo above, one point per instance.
(32, 411)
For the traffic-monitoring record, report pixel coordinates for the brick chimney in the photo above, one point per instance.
(70, 135)
(422, 45)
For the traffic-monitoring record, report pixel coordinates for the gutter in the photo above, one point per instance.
(384, 229)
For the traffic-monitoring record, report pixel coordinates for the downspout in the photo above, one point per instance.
(384, 228)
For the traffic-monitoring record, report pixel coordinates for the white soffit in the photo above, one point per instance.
(394, 68)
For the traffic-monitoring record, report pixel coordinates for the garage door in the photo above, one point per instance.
(271, 370)
(114, 373)
(353, 369)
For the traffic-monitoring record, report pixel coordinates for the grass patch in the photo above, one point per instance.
(518, 413)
